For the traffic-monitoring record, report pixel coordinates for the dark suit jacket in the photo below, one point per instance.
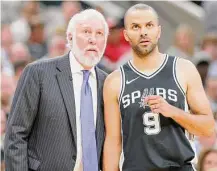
(41, 129)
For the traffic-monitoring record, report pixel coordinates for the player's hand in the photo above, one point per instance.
(159, 105)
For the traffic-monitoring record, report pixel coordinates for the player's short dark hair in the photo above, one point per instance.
(140, 6)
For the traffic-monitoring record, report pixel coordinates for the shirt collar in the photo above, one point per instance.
(76, 67)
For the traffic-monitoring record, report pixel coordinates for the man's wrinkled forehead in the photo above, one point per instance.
(96, 24)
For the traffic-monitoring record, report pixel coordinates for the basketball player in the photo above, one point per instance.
(146, 104)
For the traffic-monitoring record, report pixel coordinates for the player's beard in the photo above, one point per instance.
(143, 51)
(90, 60)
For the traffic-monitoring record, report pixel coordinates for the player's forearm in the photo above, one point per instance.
(111, 155)
(199, 125)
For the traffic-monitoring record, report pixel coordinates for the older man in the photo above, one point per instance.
(56, 121)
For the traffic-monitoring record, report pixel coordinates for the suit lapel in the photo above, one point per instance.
(100, 117)
(64, 78)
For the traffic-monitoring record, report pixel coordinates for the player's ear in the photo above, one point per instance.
(126, 35)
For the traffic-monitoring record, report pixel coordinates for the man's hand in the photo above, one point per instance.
(159, 105)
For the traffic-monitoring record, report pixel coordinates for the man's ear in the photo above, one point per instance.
(70, 36)
(125, 35)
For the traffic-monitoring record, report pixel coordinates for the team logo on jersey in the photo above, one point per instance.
(138, 96)
(146, 92)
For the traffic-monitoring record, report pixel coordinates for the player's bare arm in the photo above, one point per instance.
(113, 144)
(201, 121)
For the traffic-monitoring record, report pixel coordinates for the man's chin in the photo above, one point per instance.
(89, 63)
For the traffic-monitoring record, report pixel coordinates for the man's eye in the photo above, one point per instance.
(135, 27)
(150, 25)
(86, 31)
(100, 33)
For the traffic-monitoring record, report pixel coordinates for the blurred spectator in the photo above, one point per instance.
(20, 28)
(202, 61)
(209, 45)
(36, 43)
(6, 65)
(208, 160)
(69, 9)
(184, 45)
(19, 52)
(100, 9)
(7, 91)
(58, 18)
(116, 48)
(6, 39)
(10, 11)
(19, 67)
(51, 3)
(20, 57)
(210, 19)
(3, 123)
(211, 90)
(207, 58)
(212, 71)
(56, 46)
(6, 44)
(204, 143)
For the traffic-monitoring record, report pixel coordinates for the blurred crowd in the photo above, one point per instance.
(34, 30)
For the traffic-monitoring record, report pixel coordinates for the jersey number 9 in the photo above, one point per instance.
(152, 123)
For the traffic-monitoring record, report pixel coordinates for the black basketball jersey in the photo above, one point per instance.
(152, 141)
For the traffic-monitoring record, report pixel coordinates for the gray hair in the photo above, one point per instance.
(81, 16)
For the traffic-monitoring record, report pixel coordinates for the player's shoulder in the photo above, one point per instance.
(187, 69)
(185, 62)
(185, 65)
(113, 81)
(114, 76)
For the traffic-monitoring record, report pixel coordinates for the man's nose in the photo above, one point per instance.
(92, 39)
(144, 32)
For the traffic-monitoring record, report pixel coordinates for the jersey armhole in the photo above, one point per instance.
(175, 76)
(178, 84)
(122, 85)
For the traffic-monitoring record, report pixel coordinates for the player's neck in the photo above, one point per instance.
(149, 62)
